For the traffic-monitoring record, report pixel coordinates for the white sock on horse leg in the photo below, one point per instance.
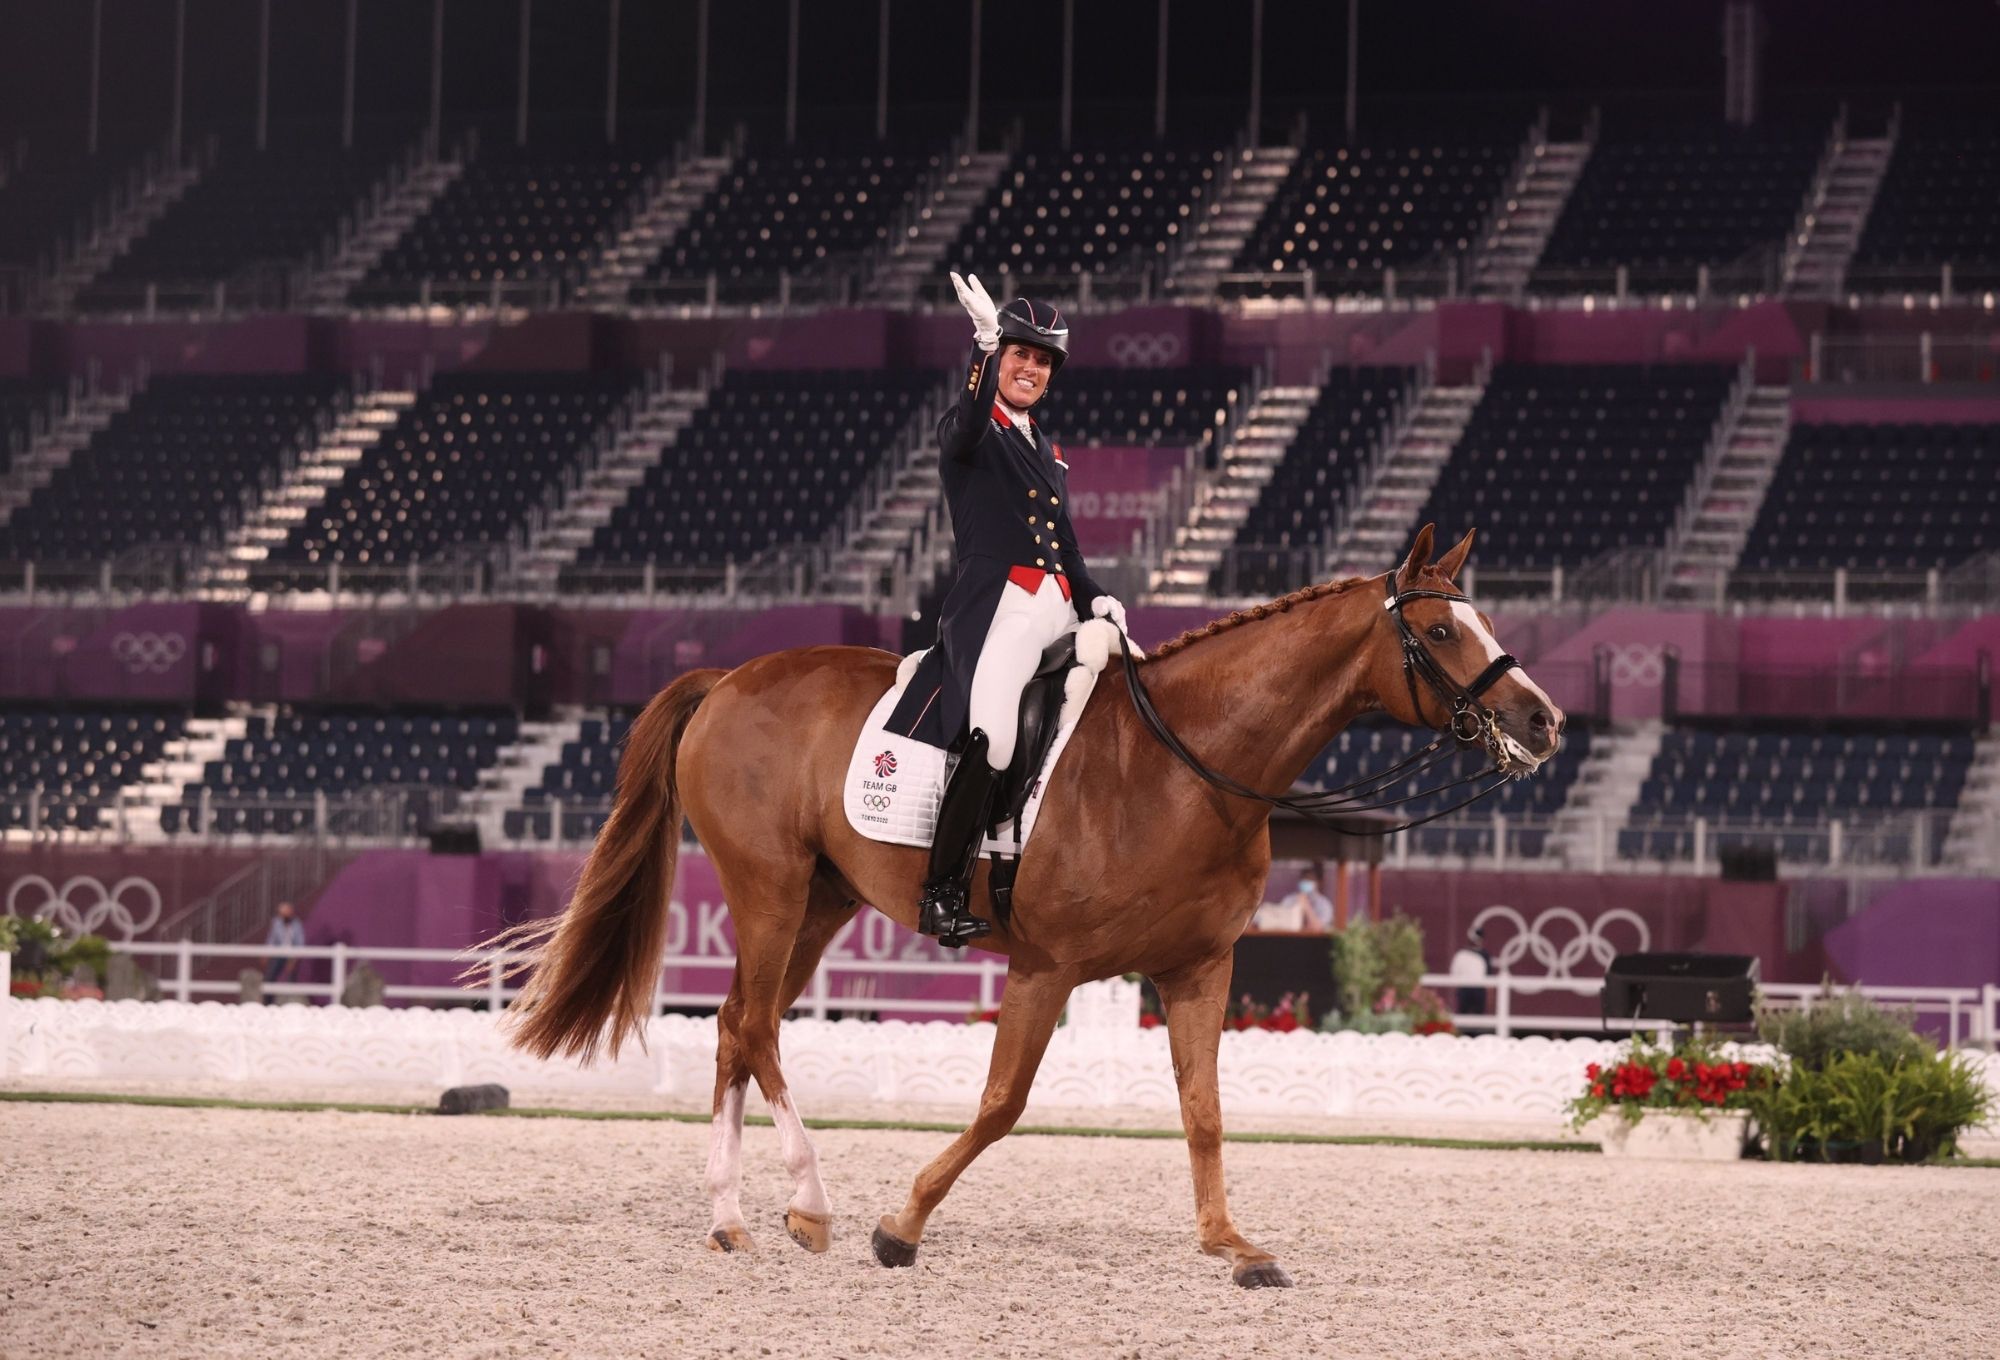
(808, 1192)
(725, 1159)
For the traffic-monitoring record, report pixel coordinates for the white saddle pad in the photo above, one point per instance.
(893, 783)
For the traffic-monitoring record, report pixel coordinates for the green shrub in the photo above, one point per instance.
(1837, 1022)
(1865, 1107)
(1374, 959)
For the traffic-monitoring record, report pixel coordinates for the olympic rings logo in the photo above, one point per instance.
(878, 802)
(141, 653)
(83, 905)
(1638, 664)
(1559, 939)
(1144, 349)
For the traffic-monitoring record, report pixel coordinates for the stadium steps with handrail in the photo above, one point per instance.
(1227, 219)
(1220, 506)
(895, 537)
(1371, 535)
(405, 196)
(949, 202)
(183, 762)
(1522, 221)
(1830, 228)
(653, 227)
(602, 485)
(50, 452)
(152, 192)
(1972, 841)
(1728, 492)
(504, 784)
(1585, 833)
(302, 489)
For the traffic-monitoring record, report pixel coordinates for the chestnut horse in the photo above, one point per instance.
(1153, 870)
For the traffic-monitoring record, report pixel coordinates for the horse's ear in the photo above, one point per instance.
(1419, 558)
(1453, 560)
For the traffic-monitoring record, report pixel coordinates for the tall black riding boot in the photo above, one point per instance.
(961, 822)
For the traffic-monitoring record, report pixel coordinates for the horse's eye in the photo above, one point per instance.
(1440, 633)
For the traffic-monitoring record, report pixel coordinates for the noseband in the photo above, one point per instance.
(1471, 724)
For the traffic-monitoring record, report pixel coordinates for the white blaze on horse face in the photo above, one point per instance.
(725, 1159)
(1468, 620)
(808, 1193)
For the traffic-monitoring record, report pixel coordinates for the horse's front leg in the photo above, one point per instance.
(1028, 1015)
(1195, 999)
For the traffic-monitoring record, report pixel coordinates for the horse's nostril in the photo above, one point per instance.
(1539, 720)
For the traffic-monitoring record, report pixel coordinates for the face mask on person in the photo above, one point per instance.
(1307, 885)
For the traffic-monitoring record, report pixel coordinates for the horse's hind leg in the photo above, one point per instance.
(1196, 998)
(1028, 1015)
(725, 1136)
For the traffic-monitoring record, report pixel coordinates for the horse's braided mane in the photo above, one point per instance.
(1253, 613)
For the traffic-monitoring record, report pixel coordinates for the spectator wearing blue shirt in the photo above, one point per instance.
(287, 932)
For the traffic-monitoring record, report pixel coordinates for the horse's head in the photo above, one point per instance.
(1440, 669)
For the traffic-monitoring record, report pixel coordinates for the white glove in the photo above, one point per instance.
(1105, 607)
(985, 315)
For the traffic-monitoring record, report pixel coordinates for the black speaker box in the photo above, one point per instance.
(1750, 863)
(1711, 989)
(455, 840)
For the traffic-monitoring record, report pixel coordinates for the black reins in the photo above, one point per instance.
(1470, 723)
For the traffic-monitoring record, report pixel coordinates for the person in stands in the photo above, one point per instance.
(287, 932)
(1019, 583)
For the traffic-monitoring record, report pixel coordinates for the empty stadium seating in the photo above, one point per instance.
(1562, 463)
(1372, 745)
(1663, 204)
(803, 214)
(22, 402)
(1778, 789)
(174, 467)
(1346, 213)
(1102, 211)
(1935, 206)
(270, 209)
(1148, 407)
(461, 469)
(512, 215)
(580, 784)
(75, 762)
(1313, 481)
(411, 763)
(773, 458)
(1879, 498)
(50, 198)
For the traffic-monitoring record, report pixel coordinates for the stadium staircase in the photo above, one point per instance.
(303, 488)
(1972, 842)
(1222, 501)
(163, 781)
(505, 783)
(404, 197)
(1371, 535)
(948, 202)
(896, 536)
(1518, 231)
(151, 194)
(1600, 802)
(1727, 494)
(604, 483)
(653, 227)
(1842, 195)
(1228, 219)
(35, 466)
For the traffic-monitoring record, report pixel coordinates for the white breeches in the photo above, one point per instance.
(1023, 626)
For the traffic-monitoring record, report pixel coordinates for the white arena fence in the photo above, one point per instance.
(1100, 1060)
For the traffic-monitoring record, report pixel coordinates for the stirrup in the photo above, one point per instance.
(943, 913)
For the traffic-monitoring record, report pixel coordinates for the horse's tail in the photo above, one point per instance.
(598, 962)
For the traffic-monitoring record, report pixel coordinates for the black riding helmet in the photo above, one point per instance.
(1026, 322)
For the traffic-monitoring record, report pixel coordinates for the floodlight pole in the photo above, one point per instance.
(882, 75)
(1068, 67)
(1256, 68)
(1353, 67)
(792, 73)
(521, 80)
(263, 74)
(437, 77)
(972, 106)
(1160, 80)
(347, 76)
(611, 77)
(701, 78)
(96, 72)
(180, 76)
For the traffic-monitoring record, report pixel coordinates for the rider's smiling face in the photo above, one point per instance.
(1024, 375)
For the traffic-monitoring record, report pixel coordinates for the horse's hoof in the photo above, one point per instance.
(729, 1239)
(1262, 1275)
(814, 1232)
(892, 1250)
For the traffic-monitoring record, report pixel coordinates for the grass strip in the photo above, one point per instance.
(763, 1121)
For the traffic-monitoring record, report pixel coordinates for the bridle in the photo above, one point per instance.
(1471, 723)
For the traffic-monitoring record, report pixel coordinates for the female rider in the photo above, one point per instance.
(1019, 584)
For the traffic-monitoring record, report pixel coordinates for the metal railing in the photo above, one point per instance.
(1919, 358)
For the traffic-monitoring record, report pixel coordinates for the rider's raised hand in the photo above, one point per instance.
(981, 308)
